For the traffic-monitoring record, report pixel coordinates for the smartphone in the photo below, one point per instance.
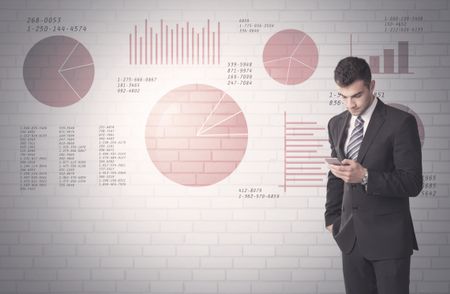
(333, 160)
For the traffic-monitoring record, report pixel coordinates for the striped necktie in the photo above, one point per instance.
(355, 139)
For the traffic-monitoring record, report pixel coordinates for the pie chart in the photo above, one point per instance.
(290, 57)
(419, 121)
(196, 135)
(58, 71)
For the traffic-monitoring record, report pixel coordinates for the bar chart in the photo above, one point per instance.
(180, 44)
(387, 59)
(305, 147)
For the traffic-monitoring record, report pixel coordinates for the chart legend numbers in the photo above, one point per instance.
(180, 44)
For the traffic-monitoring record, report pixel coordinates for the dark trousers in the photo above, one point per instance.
(363, 276)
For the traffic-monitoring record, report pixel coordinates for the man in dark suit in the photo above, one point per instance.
(367, 205)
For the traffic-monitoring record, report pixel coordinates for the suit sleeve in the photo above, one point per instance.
(406, 178)
(335, 189)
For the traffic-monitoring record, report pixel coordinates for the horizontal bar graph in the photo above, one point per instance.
(304, 144)
(180, 44)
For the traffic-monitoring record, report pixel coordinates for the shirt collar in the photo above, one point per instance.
(368, 113)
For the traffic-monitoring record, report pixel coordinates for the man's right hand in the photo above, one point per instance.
(330, 228)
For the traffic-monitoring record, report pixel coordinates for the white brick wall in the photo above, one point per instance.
(156, 236)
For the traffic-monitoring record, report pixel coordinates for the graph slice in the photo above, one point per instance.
(58, 71)
(290, 57)
(196, 135)
(420, 125)
(226, 118)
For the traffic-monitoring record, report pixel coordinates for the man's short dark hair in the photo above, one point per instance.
(351, 69)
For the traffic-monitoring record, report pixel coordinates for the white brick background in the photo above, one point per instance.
(156, 236)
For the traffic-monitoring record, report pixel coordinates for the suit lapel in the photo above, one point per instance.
(376, 121)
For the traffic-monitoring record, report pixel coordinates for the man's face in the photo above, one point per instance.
(357, 97)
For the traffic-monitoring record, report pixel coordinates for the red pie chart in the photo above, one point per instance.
(196, 135)
(290, 57)
(58, 71)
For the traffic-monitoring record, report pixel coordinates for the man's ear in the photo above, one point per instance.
(372, 86)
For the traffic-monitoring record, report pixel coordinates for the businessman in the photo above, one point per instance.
(367, 206)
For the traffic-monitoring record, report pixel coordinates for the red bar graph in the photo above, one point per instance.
(374, 62)
(403, 57)
(167, 44)
(187, 42)
(171, 46)
(388, 61)
(135, 44)
(140, 50)
(165, 47)
(161, 42)
(151, 46)
(131, 55)
(304, 166)
(145, 41)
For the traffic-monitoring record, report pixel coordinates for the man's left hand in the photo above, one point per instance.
(350, 171)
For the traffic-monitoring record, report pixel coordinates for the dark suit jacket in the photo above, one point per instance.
(380, 217)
